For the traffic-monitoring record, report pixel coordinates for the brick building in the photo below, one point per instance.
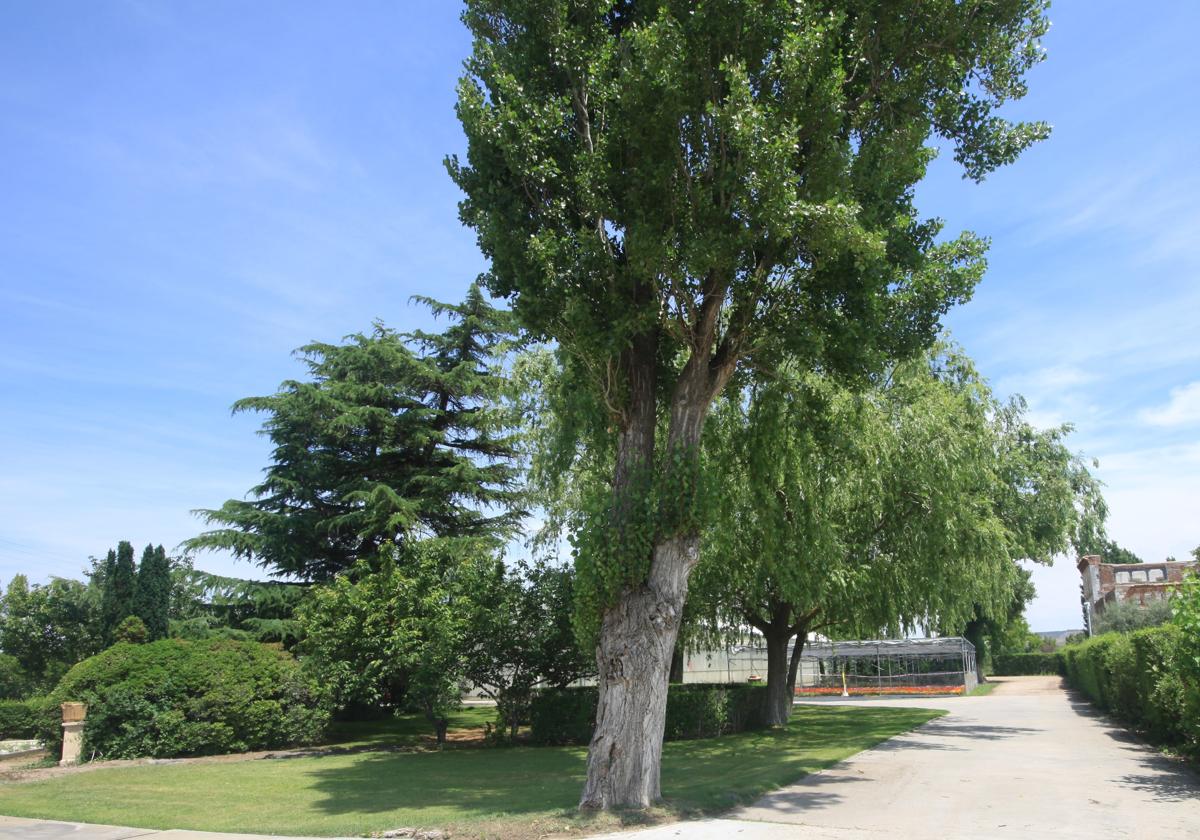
(1129, 583)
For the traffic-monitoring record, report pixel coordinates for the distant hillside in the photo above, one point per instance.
(1059, 637)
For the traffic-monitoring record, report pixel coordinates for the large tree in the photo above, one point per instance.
(152, 600)
(401, 632)
(393, 437)
(865, 510)
(670, 189)
(117, 581)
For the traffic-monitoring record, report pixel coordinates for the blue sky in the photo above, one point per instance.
(191, 190)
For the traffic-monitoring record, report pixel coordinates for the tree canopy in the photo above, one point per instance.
(671, 189)
(393, 437)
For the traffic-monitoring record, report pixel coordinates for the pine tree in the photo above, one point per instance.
(153, 600)
(395, 437)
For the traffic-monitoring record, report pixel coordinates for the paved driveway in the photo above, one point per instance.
(1026, 762)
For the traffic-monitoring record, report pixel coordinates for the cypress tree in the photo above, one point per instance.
(120, 588)
(153, 601)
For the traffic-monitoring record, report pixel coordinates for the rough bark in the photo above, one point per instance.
(638, 632)
(633, 656)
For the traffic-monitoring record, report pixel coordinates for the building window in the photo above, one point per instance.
(1122, 577)
(1157, 574)
(1139, 576)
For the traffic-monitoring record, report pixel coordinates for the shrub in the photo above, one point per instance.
(23, 718)
(131, 629)
(174, 697)
(1027, 664)
(699, 710)
(563, 715)
(1142, 679)
(14, 681)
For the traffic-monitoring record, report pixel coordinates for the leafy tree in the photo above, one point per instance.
(865, 511)
(398, 631)
(1110, 552)
(1123, 617)
(14, 681)
(49, 628)
(394, 437)
(523, 639)
(669, 190)
(152, 603)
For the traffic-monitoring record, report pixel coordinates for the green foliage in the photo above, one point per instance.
(1109, 551)
(1122, 617)
(522, 639)
(668, 191)
(568, 715)
(24, 718)
(174, 697)
(215, 606)
(132, 630)
(400, 630)
(1027, 664)
(152, 603)
(49, 628)
(835, 492)
(1143, 678)
(15, 682)
(563, 715)
(119, 588)
(394, 437)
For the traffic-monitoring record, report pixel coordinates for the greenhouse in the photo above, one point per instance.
(887, 666)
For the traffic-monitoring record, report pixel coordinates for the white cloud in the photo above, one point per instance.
(1182, 409)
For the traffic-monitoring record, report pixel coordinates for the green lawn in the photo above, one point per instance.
(517, 792)
(403, 731)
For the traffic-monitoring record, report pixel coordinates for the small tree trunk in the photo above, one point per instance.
(676, 664)
(779, 686)
(794, 665)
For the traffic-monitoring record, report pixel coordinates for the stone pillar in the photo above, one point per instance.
(73, 716)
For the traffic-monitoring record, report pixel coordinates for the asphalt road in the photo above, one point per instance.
(1028, 761)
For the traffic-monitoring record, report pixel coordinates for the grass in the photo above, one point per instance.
(982, 689)
(504, 793)
(403, 731)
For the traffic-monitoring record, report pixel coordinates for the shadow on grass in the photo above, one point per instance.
(698, 776)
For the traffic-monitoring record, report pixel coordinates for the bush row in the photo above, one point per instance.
(176, 697)
(1028, 664)
(1140, 678)
(25, 718)
(699, 710)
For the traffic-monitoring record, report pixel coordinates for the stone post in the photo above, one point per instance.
(73, 716)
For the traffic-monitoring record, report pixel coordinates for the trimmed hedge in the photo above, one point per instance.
(695, 710)
(1028, 664)
(1137, 677)
(22, 718)
(175, 697)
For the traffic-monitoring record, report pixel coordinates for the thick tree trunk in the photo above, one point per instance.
(634, 655)
(779, 692)
(638, 633)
